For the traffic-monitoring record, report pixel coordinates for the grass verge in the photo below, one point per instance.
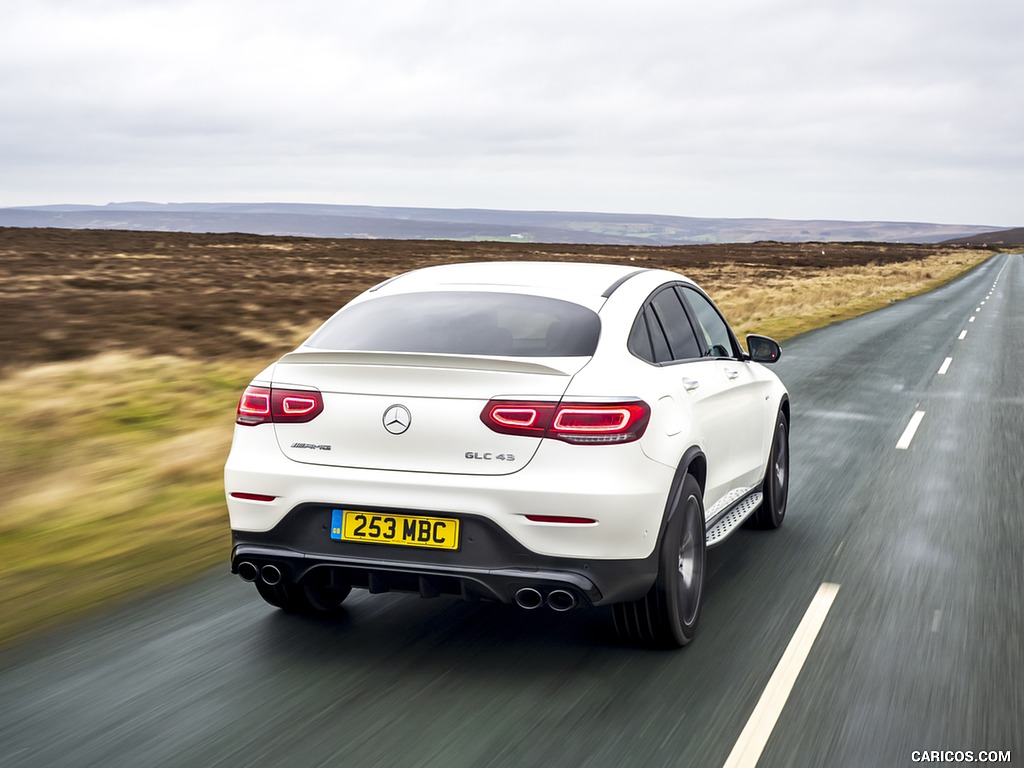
(785, 307)
(111, 469)
(112, 466)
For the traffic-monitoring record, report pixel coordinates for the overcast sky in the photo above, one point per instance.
(856, 109)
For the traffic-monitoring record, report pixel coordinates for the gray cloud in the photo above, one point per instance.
(906, 109)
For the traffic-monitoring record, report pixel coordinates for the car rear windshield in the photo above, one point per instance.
(463, 323)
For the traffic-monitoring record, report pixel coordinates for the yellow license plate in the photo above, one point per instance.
(403, 530)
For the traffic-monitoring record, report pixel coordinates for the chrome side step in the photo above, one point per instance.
(733, 519)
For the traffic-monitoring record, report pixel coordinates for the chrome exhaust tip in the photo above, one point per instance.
(529, 598)
(248, 571)
(270, 574)
(561, 600)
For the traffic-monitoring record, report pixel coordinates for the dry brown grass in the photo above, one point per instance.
(784, 307)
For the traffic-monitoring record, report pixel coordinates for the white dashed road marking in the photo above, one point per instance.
(910, 431)
(750, 745)
(945, 366)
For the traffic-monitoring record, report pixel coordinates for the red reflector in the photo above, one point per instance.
(560, 519)
(253, 496)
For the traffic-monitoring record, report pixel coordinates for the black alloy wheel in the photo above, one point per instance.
(772, 511)
(667, 616)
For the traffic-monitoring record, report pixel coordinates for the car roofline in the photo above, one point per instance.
(615, 286)
(604, 294)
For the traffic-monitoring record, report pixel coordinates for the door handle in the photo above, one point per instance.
(690, 384)
(731, 374)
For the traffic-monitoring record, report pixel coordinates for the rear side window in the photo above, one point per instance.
(716, 338)
(662, 332)
(463, 323)
(681, 340)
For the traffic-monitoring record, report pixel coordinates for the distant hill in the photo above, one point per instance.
(1005, 237)
(354, 221)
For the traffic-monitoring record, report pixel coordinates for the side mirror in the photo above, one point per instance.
(763, 350)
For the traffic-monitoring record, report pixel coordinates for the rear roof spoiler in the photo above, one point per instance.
(551, 366)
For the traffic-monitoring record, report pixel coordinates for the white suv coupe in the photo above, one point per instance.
(536, 433)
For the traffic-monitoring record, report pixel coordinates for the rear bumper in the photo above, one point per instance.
(617, 486)
(490, 564)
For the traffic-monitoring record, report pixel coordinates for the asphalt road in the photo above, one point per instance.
(921, 649)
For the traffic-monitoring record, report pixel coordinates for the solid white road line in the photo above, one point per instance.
(748, 748)
(910, 431)
(945, 366)
(963, 335)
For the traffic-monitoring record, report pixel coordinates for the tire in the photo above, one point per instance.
(667, 616)
(305, 599)
(775, 489)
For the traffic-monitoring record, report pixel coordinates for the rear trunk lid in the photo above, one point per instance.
(415, 412)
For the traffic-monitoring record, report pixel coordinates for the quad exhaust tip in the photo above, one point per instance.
(248, 571)
(559, 600)
(529, 598)
(269, 574)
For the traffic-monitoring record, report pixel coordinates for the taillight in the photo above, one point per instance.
(518, 418)
(263, 405)
(295, 406)
(590, 423)
(254, 406)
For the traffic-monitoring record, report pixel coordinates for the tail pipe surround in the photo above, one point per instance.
(268, 574)
(529, 598)
(248, 571)
(560, 600)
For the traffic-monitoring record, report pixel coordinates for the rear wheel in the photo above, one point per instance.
(667, 616)
(309, 599)
(776, 479)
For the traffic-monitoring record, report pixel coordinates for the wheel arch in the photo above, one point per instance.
(693, 462)
(784, 408)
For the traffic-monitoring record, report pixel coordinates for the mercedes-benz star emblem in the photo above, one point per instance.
(397, 419)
